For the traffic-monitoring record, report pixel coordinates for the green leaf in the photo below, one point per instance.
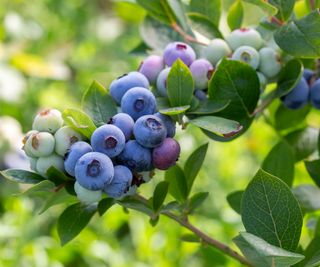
(312, 253)
(72, 220)
(313, 168)
(209, 8)
(262, 254)
(280, 162)
(179, 85)
(194, 164)
(235, 15)
(300, 38)
(22, 176)
(308, 197)
(217, 125)
(209, 107)
(196, 200)
(79, 121)
(191, 238)
(159, 195)
(285, 8)
(140, 50)
(174, 110)
(41, 189)
(178, 187)
(265, 203)
(104, 205)
(157, 9)
(304, 142)
(264, 5)
(131, 203)
(203, 25)
(56, 176)
(238, 83)
(234, 200)
(177, 8)
(98, 104)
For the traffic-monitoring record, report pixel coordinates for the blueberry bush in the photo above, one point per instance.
(194, 74)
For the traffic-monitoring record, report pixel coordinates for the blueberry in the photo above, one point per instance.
(162, 82)
(76, 151)
(149, 131)
(315, 94)
(137, 102)
(200, 95)
(216, 50)
(308, 75)
(151, 67)
(270, 64)
(65, 137)
(33, 163)
(24, 141)
(169, 123)
(136, 157)
(298, 96)
(201, 70)
(121, 182)
(166, 155)
(244, 36)
(39, 145)
(44, 163)
(124, 122)
(176, 50)
(109, 140)
(94, 171)
(125, 82)
(86, 196)
(48, 120)
(247, 55)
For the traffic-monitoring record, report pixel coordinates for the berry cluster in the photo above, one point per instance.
(308, 89)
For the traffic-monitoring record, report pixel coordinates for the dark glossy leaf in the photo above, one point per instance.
(159, 195)
(131, 203)
(22, 176)
(98, 104)
(79, 121)
(196, 200)
(209, 107)
(235, 15)
(58, 177)
(204, 25)
(73, 220)
(194, 164)
(208, 8)
(262, 254)
(280, 162)
(285, 8)
(157, 9)
(313, 168)
(191, 238)
(300, 38)
(312, 253)
(174, 110)
(140, 50)
(234, 199)
(41, 189)
(265, 203)
(308, 197)
(178, 187)
(104, 205)
(180, 85)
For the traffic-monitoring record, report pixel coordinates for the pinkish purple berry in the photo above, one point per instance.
(151, 67)
(166, 155)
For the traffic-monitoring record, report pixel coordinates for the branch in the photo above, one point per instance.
(186, 37)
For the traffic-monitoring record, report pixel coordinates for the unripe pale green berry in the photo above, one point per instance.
(216, 50)
(270, 64)
(48, 120)
(40, 144)
(263, 81)
(44, 163)
(65, 137)
(247, 55)
(244, 36)
(24, 141)
(86, 196)
(33, 163)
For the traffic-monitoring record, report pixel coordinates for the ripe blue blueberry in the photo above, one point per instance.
(125, 82)
(166, 155)
(298, 96)
(121, 182)
(149, 131)
(151, 67)
(94, 171)
(169, 123)
(201, 70)
(44, 163)
(247, 55)
(124, 122)
(137, 102)
(200, 95)
(109, 140)
(244, 36)
(162, 82)
(315, 94)
(136, 157)
(49, 120)
(76, 151)
(176, 50)
(270, 64)
(86, 196)
(308, 75)
(65, 137)
(216, 50)
(39, 144)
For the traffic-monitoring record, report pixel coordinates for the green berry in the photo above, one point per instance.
(87, 196)
(216, 50)
(24, 141)
(269, 62)
(49, 120)
(244, 36)
(247, 55)
(44, 163)
(39, 145)
(65, 137)
(33, 163)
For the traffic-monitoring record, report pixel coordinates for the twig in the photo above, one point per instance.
(186, 37)
(276, 21)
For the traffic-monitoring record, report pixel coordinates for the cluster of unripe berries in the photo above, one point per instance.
(307, 90)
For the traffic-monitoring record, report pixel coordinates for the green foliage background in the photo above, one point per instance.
(92, 40)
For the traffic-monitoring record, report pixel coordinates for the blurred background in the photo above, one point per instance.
(50, 51)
